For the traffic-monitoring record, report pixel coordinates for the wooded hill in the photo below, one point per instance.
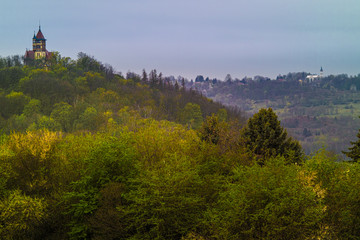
(321, 113)
(88, 154)
(85, 94)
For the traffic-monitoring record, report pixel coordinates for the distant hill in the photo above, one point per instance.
(321, 113)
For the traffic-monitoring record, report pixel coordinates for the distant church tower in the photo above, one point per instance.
(39, 48)
(321, 72)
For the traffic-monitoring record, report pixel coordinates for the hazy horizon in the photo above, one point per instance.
(190, 38)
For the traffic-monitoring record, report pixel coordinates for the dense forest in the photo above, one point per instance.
(319, 113)
(87, 153)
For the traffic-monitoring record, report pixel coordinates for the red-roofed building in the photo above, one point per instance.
(39, 49)
(39, 35)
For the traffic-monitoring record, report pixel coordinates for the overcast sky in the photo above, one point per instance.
(192, 37)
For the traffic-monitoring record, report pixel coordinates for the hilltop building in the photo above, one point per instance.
(314, 77)
(39, 51)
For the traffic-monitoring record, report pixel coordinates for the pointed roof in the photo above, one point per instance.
(321, 69)
(39, 35)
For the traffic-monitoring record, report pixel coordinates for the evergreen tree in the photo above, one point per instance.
(144, 77)
(354, 151)
(266, 138)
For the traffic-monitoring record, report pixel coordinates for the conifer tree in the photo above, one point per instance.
(354, 151)
(266, 138)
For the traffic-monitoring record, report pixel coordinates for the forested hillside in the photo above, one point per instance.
(86, 153)
(85, 94)
(320, 113)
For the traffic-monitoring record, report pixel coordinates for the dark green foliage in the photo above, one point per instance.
(266, 138)
(109, 220)
(13, 103)
(45, 87)
(11, 61)
(88, 63)
(110, 161)
(63, 114)
(166, 204)
(354, 151)
(191, 116)
(10, 77)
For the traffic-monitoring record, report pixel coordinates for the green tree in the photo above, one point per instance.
(20, 215)
(33, 165)
(267, 202)
(166, 203)
(32, 108)
(88, 63)
(94, 80)
(15, 102)
(5, 166)
(210, 130)
(112, 160)
(354, 151)
(265, 138)
(87, 120)
(192, 116)
(45, 122)
(62, 113)
(338, 184)
(108, 220)
(46, 87)
(29, 117)
(10, 77)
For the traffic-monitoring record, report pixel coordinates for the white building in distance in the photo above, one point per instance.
(314, 77)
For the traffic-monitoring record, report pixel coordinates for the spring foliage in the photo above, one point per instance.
(159, 180)
(97, 157)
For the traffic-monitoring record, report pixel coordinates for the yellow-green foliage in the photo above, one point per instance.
(37, 144)
(159, 180)
(157, 140)
(20, 214)
(32, 162)
(338, 185)
(268, 202)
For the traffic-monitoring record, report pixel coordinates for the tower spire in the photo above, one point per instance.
(321, 72)
(39, 48)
